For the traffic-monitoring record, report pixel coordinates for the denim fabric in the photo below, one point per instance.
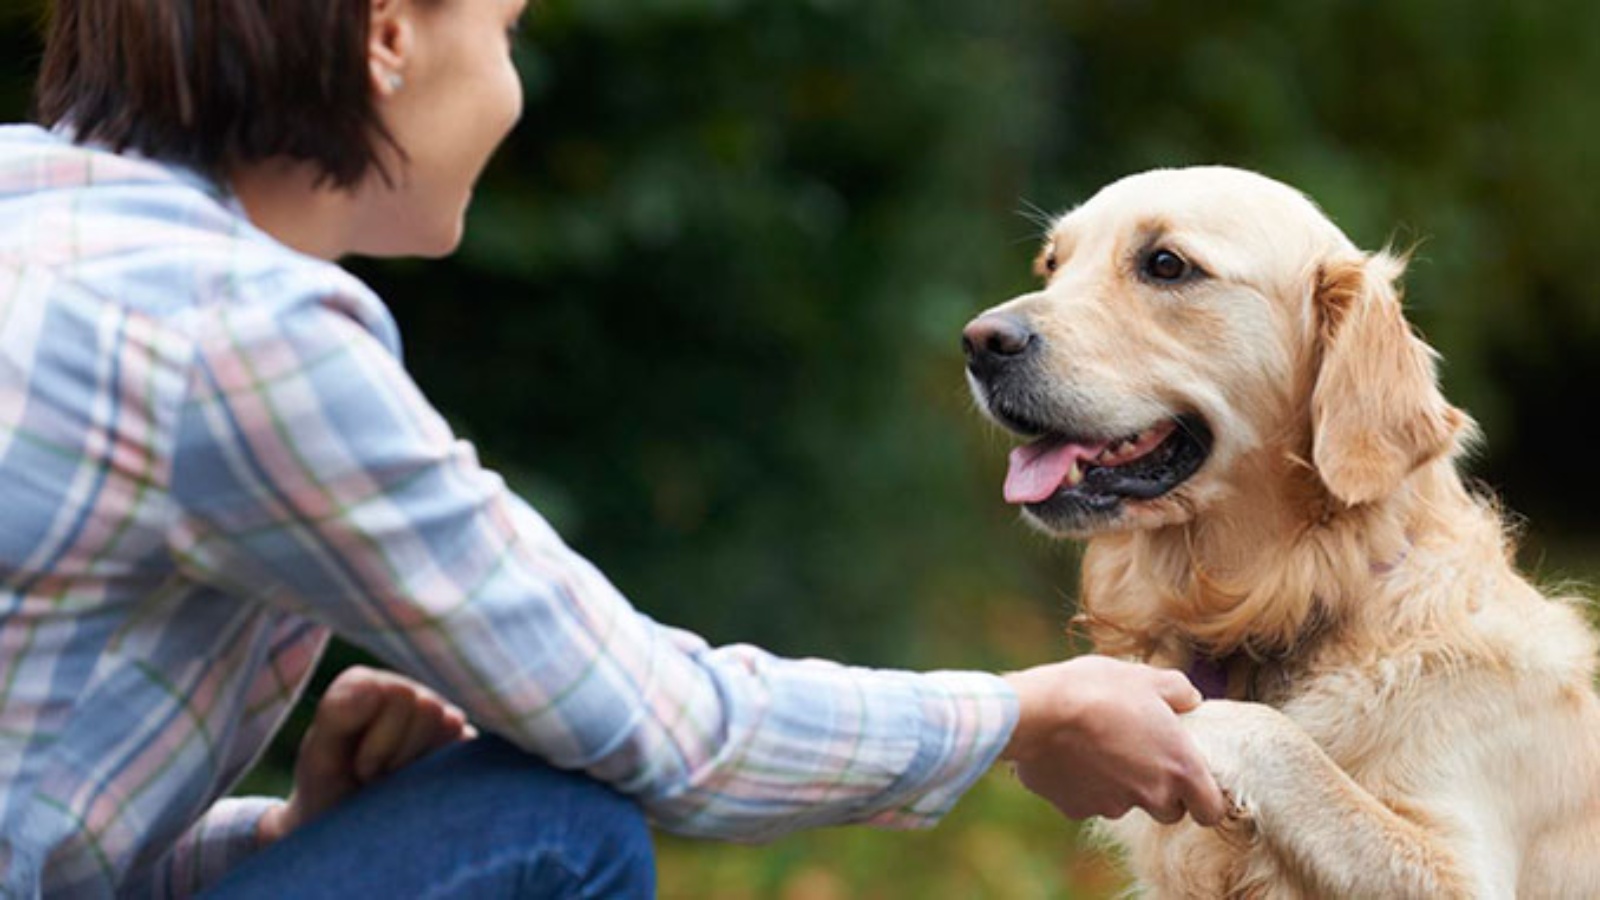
(479, 820)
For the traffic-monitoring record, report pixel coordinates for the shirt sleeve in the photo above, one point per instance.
(220, 840)
(227, 833)
(311, 474)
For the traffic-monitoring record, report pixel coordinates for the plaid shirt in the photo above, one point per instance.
(211, 457)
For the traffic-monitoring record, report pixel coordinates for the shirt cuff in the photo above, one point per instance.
(222, 839)
(967, 720)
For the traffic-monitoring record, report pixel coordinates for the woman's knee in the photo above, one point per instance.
(621, 860)
(601, 837)
(479, 819)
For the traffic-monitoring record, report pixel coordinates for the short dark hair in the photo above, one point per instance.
(217, 84)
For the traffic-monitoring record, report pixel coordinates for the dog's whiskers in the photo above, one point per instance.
(1039, 216)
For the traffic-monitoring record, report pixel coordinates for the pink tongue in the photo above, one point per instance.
(1037, 469)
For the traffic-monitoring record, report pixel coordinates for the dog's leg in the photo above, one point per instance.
(1316, 819)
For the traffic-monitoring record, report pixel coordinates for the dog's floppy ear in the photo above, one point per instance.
(1376, 411)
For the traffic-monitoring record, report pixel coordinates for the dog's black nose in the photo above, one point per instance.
(993, 340)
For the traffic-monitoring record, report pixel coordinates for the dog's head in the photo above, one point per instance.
(1199, 330)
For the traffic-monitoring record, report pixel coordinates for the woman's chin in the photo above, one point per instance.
(430, 244)
(446, 240)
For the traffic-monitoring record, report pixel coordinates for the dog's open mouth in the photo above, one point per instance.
(1080, 476)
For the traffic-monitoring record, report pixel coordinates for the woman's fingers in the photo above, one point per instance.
(1201, 795)
(412, 722)
(1176, 688)
(383, 737)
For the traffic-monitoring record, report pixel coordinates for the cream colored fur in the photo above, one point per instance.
(1413, 718)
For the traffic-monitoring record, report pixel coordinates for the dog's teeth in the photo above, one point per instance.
(1074, 476)
(1115, 453)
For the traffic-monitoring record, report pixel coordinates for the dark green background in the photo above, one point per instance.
(707, 313)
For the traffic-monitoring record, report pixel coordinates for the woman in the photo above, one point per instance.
(212, 458)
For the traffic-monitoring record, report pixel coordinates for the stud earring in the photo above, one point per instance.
(394, 81)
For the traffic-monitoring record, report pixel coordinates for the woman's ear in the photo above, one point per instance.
(1376, 410)
(390, 39)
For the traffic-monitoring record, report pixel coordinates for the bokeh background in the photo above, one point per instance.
(707, 312)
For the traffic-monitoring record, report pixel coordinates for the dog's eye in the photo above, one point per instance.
(1164, 265)
(1045, 264)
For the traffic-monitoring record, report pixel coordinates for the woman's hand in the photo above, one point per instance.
(369, 723)
(1096, 737)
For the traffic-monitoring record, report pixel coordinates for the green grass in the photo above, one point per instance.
(1000, 843)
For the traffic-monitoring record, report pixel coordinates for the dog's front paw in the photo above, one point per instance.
(1237, 741)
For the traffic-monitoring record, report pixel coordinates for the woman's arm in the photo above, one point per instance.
(311, 474)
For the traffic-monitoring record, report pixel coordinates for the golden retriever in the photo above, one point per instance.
(1223, 396)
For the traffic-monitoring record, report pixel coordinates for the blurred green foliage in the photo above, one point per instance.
(706, 316)
(710, 300)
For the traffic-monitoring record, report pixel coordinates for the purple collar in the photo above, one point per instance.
(1210, 675)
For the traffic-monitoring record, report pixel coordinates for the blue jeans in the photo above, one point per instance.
(480, 819)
